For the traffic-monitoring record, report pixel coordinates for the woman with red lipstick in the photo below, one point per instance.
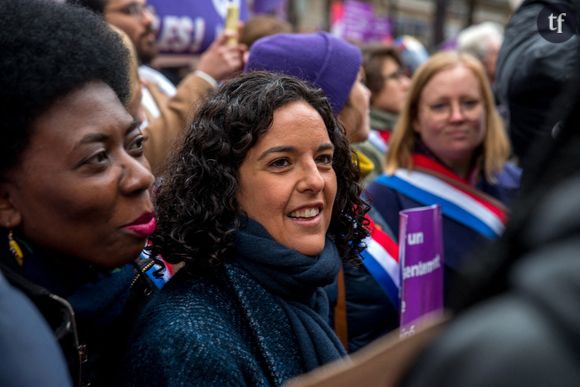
(75, 206)
(261, 203)
(450, 148)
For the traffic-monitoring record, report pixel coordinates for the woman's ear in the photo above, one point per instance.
(10, 217)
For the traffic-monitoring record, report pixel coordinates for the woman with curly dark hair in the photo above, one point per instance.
(260, 204)
(365, 297)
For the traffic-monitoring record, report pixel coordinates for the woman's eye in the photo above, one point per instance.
(324, 159)
(136, 147)
(280, 163)
(100, 159)
(470, 104)
(439, 107)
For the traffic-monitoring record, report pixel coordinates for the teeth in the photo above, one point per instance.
(305, 213)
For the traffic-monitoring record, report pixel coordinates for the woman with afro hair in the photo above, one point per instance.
(75, 204)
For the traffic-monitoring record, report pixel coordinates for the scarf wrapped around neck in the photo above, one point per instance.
(297, 281)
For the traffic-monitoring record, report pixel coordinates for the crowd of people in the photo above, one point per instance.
(220, 228)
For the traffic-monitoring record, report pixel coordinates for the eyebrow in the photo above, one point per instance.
(101, 137)
(135, 124)
(93, 137)
(291, 149)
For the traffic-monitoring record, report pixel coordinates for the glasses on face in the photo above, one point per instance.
(397, 75)
(134, 10)
(443, 110)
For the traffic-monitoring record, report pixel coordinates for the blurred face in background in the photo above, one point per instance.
(490, 60)
(450, 119)
(355, 114)
(136, 19)
(391, 97)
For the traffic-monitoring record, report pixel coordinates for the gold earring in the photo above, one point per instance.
(15, 249)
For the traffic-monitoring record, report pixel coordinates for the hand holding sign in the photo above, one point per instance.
(223, 60)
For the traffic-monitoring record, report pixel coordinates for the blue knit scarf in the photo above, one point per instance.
(297, 281)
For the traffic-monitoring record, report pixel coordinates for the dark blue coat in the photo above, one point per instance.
(216, 330)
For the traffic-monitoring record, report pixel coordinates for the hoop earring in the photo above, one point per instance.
(15, 249)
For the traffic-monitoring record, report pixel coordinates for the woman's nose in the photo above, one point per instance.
(137, 175)
(456, 113)
(311, 179)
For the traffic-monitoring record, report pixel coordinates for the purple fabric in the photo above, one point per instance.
(190, 26)
(324, 60)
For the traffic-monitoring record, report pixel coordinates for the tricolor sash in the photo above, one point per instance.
(377, 141)
(431, 183)
(381, 258)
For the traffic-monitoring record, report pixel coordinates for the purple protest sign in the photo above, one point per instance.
(268, 6)
(380, 31)
(190, 26)
(357, 17)
(421, 260)
(357, 21)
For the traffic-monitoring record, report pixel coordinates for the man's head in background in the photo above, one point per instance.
(137, 20)
(133, 17)
(482, 41)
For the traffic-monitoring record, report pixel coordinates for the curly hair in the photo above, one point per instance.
(48, 51)
(197, 207)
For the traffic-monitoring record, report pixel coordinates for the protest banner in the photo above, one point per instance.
(421, 260)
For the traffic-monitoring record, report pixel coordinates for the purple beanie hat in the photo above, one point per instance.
(324, 60)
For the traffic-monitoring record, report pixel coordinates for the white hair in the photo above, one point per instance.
(515, 4)
(476, 40)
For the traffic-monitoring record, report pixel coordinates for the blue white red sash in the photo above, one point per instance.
(381, 258)
(151, 271)
(430, 183)
(377, 141)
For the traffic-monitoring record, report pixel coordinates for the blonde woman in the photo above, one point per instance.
(449, 147)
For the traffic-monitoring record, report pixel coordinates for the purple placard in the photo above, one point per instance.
(421, 259)
(190, 26)
(360, 23)
(268, 6)
(380, 30)
(357, 17)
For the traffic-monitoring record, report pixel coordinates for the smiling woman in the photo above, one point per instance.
(75, 207)
(449, 147)
(261, 203)
(292, 159)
